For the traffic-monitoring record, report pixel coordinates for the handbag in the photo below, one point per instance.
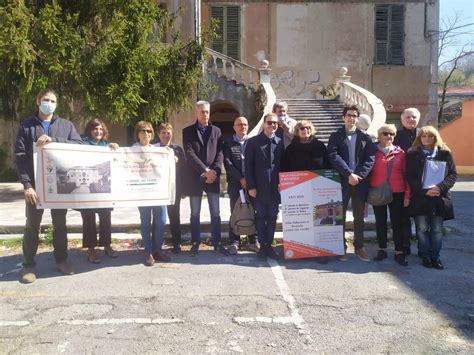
(382, 195)
(242, 219)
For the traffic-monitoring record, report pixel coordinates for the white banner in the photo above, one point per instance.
(86, 176)
(312, 214)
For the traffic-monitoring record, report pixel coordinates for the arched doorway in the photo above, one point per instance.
(223, 114)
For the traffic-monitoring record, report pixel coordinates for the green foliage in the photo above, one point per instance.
(105, 58)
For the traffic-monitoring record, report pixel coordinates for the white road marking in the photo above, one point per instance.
(295, 317)
(8, 323)
(121, 321)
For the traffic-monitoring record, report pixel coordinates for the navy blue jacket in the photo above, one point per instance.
(262, 168)
(404, 138)
(338, 151)
(199, 156)
(60, 131)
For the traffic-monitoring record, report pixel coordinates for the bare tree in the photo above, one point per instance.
(451, 30)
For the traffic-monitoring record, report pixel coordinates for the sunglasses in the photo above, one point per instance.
(305, 128)
(391, 134)
(146, 131)
(270, 123)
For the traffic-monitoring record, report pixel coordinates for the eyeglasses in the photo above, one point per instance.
(146, 131)
(270, 123)
(391, 134)
(305, 128)
(351, 115)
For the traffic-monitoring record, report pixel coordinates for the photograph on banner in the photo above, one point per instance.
(85, 176)
(312, 214)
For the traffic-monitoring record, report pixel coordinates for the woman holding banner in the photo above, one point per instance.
(305, 152)
(96, 133)
(150, 216)
(431, 173)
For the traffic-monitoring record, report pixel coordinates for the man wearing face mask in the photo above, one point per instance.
(286, 124)
(41, 128)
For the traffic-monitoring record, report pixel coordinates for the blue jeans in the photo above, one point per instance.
(430, 235)
(265, 221)
(151, 241)
(195, 203)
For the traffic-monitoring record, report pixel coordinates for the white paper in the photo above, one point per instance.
(434, 173)
(242, 196)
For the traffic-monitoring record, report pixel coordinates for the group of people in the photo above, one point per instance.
(253, 165)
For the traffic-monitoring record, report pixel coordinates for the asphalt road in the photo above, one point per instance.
(239, 304)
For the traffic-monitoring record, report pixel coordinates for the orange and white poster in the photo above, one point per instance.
(312, 214)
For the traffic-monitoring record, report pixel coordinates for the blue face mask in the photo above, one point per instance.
(281, 118)
(47, 107)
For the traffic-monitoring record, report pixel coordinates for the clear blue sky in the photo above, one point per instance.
(465, 8)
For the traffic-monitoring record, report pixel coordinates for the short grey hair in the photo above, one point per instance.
(280, 104)
(411, 109)
(202, 103)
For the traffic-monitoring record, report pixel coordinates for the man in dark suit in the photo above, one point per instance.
(404, 139)
(234, 150)
(203, 150)
(262, 166)
(351, 153)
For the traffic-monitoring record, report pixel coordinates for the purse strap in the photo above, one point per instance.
(389, 169)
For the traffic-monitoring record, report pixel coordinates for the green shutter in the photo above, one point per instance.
(228, 30)
(389, 34)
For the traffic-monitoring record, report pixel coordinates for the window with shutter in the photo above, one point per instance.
(228, 30)
(389, 34)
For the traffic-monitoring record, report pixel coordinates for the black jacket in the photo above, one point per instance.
(338, 152)
(262, 167)
(233, 160)
(180, 168)
(199, 156)
(420, 204)
(404, 138)
(305, 156)
(60, 131)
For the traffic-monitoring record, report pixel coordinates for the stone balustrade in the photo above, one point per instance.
(232, 69)
(352, 94)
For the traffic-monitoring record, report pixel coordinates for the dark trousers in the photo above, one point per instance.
(406, 227)
(89, 232)
(265, 218)
(396, 211)
(234, 196)
(31, 234)
(358, 211)
(175, 222)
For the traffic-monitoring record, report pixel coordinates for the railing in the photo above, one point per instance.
(232, 69)
(368, 103)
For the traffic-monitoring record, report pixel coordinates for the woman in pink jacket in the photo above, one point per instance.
(386, 154)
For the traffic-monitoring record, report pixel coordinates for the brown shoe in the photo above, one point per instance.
(161, 255)
(361, 254)
(28, 275)
(149, 260)
(110, 252)
(92, 256)
(65, 268)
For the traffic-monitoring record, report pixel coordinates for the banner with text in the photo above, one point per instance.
(86, 176)
(312, 214)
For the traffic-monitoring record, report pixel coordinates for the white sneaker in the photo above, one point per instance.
(233, 249)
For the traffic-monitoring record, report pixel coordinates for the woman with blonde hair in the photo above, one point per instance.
(431, 173)
(390, 165)
(305, 152)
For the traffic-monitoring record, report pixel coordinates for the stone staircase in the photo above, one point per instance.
(326, 115)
